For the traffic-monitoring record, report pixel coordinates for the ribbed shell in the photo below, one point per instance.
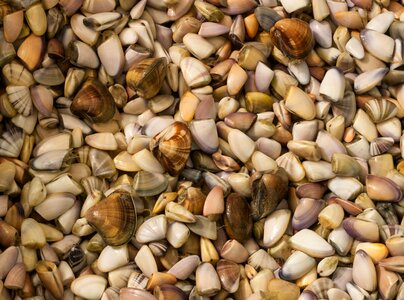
(293, 37)
(20, 98)
(11, 142)
(172, 147)
(380, 110)
(114, 218)
(147, 77)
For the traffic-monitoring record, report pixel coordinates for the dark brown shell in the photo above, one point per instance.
(293, 37)
(147, 76)
(93, 102)
(172, 147)
(267, 191)
(238, 222)
(114, 218)
(193, 199)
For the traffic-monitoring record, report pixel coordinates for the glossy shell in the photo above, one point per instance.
(114, 218)
(293, 37)
(147, 77)
(93, 102)
(172, 147)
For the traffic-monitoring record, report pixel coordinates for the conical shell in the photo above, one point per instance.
(114, 218)
(147, 77)
(172, 147)
(93, 102)
(50, 277)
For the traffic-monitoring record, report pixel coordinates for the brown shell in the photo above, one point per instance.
(237, 218)
(193, 199)
(93, 102)
(114, 218)
(147, 76)
(229, 274)
(172, 147)
(267, 191)
(293, 37)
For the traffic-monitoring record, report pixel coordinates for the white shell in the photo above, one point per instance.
(153, 229)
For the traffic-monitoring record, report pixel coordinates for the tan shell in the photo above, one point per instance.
(114, 218)
(93, 102)
(147, 77)
(293, 37)
(172, 147)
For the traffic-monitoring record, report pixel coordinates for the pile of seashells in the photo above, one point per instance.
(189, 149)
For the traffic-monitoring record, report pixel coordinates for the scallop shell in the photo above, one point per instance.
(93, 102)
(20, 98)
(381, 145)
(172, 147)
(147, 76)
(16, 74)
(345, 107)
(114, 218)
(293, 37)
(11, 142)
(380, 110)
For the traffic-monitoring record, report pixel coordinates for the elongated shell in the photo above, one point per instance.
(114, 218)
(147, 77)
(93, 102)
(172, 147)
(293, 37)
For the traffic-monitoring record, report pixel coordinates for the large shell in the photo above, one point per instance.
(172, 147)
(114, 218)
(293, 37)
(147, 77)
(93, 102)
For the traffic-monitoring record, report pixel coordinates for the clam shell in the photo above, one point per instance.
(229, 275)
(152, 229)
(114, 218)
(147, 76)
(195, 72)
(93, 102)
(237, 218)
(380, 110)
(293, 37)
(172, 146)
(149, 184)
(20, 98)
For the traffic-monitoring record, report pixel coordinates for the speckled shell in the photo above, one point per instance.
(114, 218)
(147, 77)
(93, 102)
(172, 147)
(293, 37)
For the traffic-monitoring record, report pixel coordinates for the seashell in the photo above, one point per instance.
(195, 72)
(344, 165)
(76, 258)
(282, 288)
(50, 277)
(267, 191)
(293, 37)
(234, 7)
(297, 265)
(250, 56)
(36, 19)
(101, 163)
(292, 165)
(204, 134)
(361, 230)
(311, 190)
(275, 226)
(236, 138)
(236, 79)
(51, 75)
(147, 76)
(42, 99)
(114, 218)
(16, 74)
(12, 24)
(93, 102)
(209, 12)
(266, 17)
(380, 110)
(308, 150)
(380, 145)
(352, 187)
(370, 40)
(327, 266)
(382, 189)
(257, 102)
(369, 79)
(198, 46)
(89, 286)
(237, 218)
(229, 275)
(83, 55)
(111, 54)
(101, 21)
(394, 264)
(20, 98)
(172, 147)
(311, 243)
(185, 267)
(192, 199)
(299, 103)
(388, 282)
(148, 184)
(152, 229)
(203, 227)
(306, 213)
(320, 287)
(207, 280)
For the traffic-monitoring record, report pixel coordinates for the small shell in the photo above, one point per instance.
(152, 229)
(149, 184)
(380, 110)
(172, 147)
(11, 142)
(147, 76)
(229, 275)
(20, 98)
(114, 218)
(293, 37)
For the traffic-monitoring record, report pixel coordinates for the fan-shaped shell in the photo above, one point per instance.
(229, 274)
(380, 110)
(293, 37)
(152, 229)
(101, 163)
(147, 76)
(16, 74)
(20, 98)
(172, 147)
(387, 231)
(114, 218)
(381, 145)
(11, 142)
(93, 102)
(148, 184)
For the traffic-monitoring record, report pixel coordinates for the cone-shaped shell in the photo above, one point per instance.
(172, 147)
(293, 37)
(93, 102)
(147, 77)
(114, 218)
(51, 278)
